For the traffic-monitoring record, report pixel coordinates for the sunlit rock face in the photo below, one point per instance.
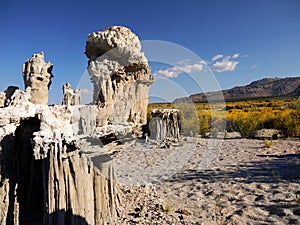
(121, 77)
(37, 75)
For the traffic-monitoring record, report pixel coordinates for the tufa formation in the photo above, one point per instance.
(165, 125)
(56, 162)
(71, 97)
(46, 178)
(37, 77)
(121, 77)
(55, 165)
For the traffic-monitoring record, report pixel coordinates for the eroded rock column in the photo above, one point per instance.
(165, 125)
(121, 77)
(37, 75)
(71, 97)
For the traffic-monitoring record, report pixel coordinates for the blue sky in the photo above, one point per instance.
(240, 41)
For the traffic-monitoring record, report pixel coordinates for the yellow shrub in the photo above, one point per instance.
(288, 121)
(245, 117)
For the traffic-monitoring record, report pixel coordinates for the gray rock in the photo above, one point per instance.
(165, 125)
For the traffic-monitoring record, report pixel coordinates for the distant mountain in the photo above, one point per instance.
(264, 88)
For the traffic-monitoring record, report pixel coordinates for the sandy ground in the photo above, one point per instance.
(204, 181)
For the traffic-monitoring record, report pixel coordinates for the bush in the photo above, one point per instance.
(189, 118)
(204, 121)
(247, 124)
(288, 121)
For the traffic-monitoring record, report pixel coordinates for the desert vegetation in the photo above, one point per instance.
(245, 117)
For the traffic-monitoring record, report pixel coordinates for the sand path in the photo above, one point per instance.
(244, 183)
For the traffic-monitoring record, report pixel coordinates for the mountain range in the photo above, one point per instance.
(264, 88)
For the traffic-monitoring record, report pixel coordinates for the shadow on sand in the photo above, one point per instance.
(278, 171)
(273, 169)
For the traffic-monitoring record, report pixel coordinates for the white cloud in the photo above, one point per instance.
(216, 57)
(236, 55)
(254, 66)
(177, 70)
(225, 65)
(219, 63)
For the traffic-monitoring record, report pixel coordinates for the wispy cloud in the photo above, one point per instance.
(216, 57)
(236, 55)
(177, 70)
(226, 64)
(254, 66)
